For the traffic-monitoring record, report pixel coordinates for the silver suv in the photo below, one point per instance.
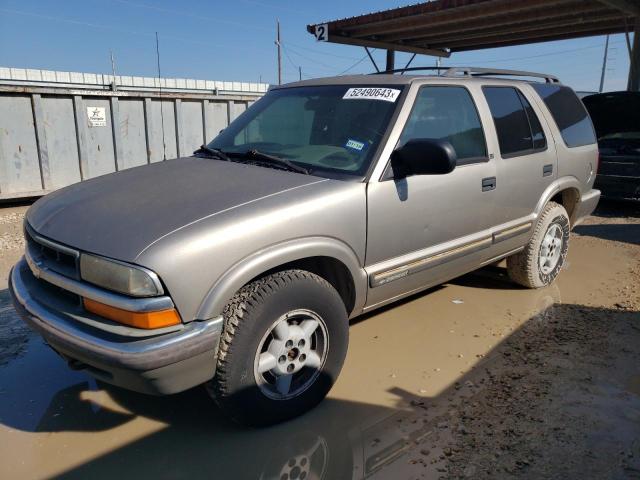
(240, 267)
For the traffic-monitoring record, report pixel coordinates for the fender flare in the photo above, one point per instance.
(271, 257)
(557, 186)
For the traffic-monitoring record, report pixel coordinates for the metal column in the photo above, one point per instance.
(633, 84)
(391, 57)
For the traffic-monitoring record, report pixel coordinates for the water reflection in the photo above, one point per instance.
(185, 435)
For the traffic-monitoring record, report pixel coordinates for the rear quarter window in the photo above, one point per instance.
(569, 114)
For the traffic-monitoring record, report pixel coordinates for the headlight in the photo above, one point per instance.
(119, 277)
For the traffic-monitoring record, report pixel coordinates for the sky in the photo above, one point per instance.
(234, 40)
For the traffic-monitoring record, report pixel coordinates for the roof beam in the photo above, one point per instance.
(537, 15)
(388, 18)
(361, 42)
(628, 6)
(528, 27)
(557, 34)
(446, 15)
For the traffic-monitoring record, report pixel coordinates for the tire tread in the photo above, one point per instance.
(522, 266)
(246, 299)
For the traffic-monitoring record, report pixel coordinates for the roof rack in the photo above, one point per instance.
(475, 72)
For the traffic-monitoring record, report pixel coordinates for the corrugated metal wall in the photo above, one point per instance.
(47, 140)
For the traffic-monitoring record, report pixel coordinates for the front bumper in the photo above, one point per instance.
(156, 364)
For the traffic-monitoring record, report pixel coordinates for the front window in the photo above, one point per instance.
(330, 131)
(448, 113)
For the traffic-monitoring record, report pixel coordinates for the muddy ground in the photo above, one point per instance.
(475, 379)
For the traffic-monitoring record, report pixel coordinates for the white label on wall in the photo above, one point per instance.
(371, 93)
(97, 116)
(322, 33)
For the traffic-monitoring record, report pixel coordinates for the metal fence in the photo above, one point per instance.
(58, 128)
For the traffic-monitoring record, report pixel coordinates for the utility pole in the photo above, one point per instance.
(300, 73)
(279, 53)
(604, 63)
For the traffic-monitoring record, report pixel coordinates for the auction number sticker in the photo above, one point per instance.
(371, 93)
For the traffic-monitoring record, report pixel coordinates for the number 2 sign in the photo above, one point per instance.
(322, 33)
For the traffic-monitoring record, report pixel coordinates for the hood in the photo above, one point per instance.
(120, 214)
(614, 113)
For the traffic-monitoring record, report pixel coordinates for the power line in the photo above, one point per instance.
(187, 14)
(331, 67)
(513, 59)
(117, 29)
(279, 7)
(352, 66)
(286, 54)
(318, 52)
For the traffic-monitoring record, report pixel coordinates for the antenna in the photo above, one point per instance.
(279, 53)
(164, 145)
(113, 72)
(604, 63)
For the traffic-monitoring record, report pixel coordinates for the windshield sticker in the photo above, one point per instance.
(367, 93)
(354, 145)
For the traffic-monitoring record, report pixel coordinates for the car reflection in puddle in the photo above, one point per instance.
(338, 439)
(185, 435)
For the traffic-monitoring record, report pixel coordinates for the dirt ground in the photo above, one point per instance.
(477, 378)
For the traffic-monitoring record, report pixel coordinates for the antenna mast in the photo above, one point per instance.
(164, 144)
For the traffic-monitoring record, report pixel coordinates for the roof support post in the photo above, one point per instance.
(375, 65)
(633, 85)
(391, 57)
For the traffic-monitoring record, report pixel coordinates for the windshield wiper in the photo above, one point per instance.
(258, 156)
(213, 152)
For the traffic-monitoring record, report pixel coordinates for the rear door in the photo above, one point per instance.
(526, 159)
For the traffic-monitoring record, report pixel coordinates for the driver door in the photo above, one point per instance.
(426, 229)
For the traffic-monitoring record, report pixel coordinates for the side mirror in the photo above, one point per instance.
(423, 156)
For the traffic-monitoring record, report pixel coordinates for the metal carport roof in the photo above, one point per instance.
(442, 27)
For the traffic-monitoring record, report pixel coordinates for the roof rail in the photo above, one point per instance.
(475, 72)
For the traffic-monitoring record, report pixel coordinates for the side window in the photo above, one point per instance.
(569, 114)
(448, 113)
(518, 127)
(539, 141)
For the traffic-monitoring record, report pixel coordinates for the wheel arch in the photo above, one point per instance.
(329, 258)
(564, 191)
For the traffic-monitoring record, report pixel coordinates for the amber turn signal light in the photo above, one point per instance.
(148, 320)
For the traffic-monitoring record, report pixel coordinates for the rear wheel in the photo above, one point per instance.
(284, 341)
(542, 259)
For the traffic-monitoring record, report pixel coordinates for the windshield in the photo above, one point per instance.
(329, 130)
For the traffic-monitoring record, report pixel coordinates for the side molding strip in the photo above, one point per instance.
(436, 259)
(511, 232)
(429, 262)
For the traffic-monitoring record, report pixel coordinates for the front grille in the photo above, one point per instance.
(58, 258)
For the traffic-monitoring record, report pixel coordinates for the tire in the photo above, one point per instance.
(269, 319)
(541, 261)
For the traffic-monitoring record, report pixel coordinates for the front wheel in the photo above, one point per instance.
(284, 342)
(542, 259)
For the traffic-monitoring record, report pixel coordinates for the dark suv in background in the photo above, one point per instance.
(616, 118)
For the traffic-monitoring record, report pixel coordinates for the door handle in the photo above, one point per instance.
(547, 170)
(488, 183)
